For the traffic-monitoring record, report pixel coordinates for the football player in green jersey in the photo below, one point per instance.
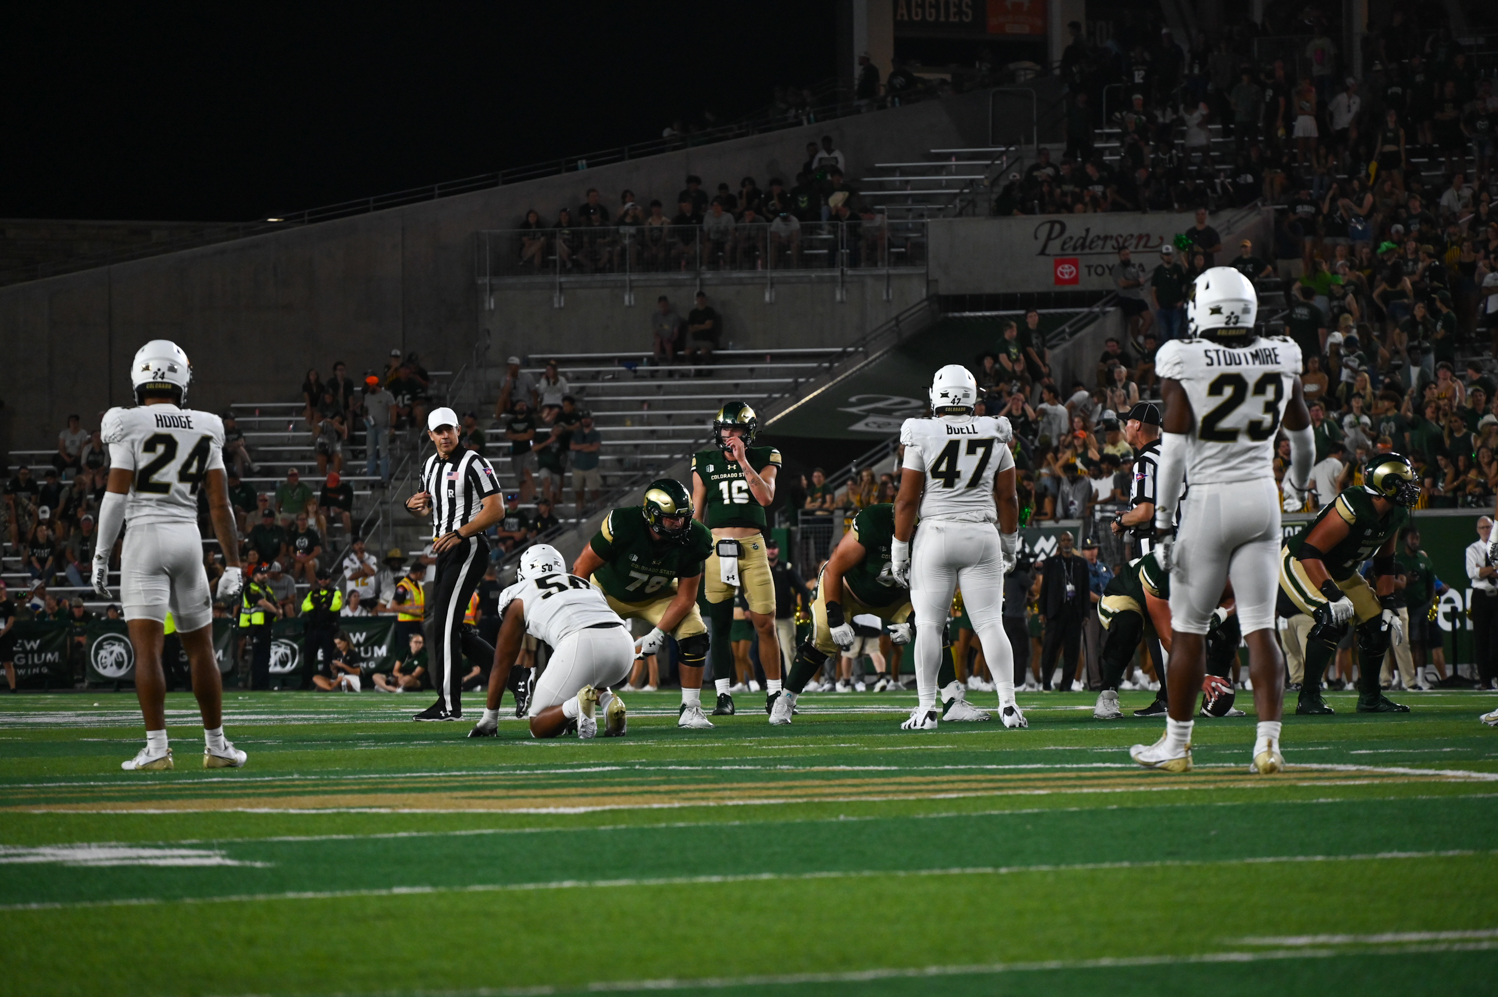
(1319, 577)
(648, 561)
(732, 485)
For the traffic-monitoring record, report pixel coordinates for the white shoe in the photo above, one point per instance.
(144, 761)
(882, 685)
(587, 702)
(692, 717)
(1013, 718)
(920, 719)
(1107, 707)
(860, 687)
(228, 758)
(649, 688)
(1030, 685)
(754, 685)
(1269, 761)
(1248, 685)
(961, 711)
(984, 685)
(1157, 756)
(1491, 719)
(384, 688)
(783, 710)
(1124, 686)
(737, 688)
(842, 687)
(615, 723)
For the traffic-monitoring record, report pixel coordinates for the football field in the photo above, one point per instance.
(360, 853)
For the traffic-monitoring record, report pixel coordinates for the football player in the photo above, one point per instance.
(648, 562)
(1227, 391)
(1319, 577)
(591, 650)
(161, 456)
(732, 485)
(958, 473)
(859, 580)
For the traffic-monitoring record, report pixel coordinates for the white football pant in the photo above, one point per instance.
(1228, 530)
(944, 556)
(597, 656)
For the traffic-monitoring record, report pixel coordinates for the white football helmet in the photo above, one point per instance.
(160, 365)
(538, 560)
(954, 391)
(1223, 301)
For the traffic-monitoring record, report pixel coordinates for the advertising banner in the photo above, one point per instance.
(41, 653)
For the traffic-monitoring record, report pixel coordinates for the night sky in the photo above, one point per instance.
(238, 112)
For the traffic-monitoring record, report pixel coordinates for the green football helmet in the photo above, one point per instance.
(735, 414)
(668, 498)
(1391, 476)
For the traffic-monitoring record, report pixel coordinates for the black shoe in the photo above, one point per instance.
(1380, 704)
(1311, 704)
(1156, 709)
(724, 707)
(438, 712)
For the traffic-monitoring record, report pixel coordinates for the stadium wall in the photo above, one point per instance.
(254, 313)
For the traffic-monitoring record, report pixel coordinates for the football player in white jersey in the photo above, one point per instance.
(161, 455)
(958, 474)
(1227, 392)
(591, 649)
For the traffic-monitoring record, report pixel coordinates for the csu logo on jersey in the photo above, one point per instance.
(112, 656)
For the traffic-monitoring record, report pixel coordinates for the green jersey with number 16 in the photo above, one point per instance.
(729, 500)
(1238, 396)
(639, 568)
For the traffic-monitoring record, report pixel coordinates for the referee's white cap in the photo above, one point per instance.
(440, 417)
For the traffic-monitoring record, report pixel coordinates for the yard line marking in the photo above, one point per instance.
(1381, 939)
(97, 856)
(756, 877)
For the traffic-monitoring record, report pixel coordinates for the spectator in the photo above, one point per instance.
(471, 437)
(306, 547)
(342, 388)
(282, 589)
(337, 499)
(665, 330)
(1011, 357)
(694, 195)
(1078, 129)
(551, 457)
(820, 496)
(236, 452)
(585, 446)
(545, 520)
(686, 237)
(312, 389)
(267, 540)
(533, 240)
(353, 605)
(552, 387)
(409, 673)
(70, 445)
(379, 420)
(1168, 294)
(292, 497)
(1037, 356)
(361, 574)
(516, 386)
(513, 529)
(80, 553)
(1306, 132)
(785, 233)
(717, 232)
(327, 440)
(1204, 237)
(828, 157)
(520, 430)
(704, 330)
(1053, 417)
(1129, 278)
(806, 200)
(1247, 101)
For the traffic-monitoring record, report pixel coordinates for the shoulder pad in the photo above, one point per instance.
(509, 595)
(212, 423)
(1002, 428)
(772, 456)
(909, 430)
(112, 429)
(1170, 360)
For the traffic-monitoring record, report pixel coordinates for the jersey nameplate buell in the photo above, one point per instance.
(729, 500)
(637, 567)
(1238, 397)
(558, 606)
(170, 450)
(960, 456)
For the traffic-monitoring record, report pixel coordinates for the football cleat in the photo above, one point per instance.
(437, 712)
(725, 705)
(1156, 709)
(587, 702)
(485, 728)
(1491, 719)
(229, 757)
(1013, 718)
(737, 688)
(144, 761)
(1310, 704)
(1107, 707)
(1380, 704)
(782, 708)
(522, 690)
(1268, 762)
(614, 721)
(883, 685)
(959, 710)
(693, 718)
(921, 719)
(1157, 756)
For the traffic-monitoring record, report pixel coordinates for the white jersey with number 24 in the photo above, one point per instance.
(960, 456)
(171, 450)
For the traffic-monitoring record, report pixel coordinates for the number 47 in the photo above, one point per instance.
(947, 468)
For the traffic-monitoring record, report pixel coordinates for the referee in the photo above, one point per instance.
(461, 494)
(1142, 432)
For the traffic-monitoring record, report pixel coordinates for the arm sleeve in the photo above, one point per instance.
(1302, 456)
(111, 519)
(1171, 476)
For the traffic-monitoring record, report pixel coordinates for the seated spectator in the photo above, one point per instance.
(552, 387)
(471, 437)
(785, 235)
(353, 605)
(236, 453)
(655, 237)
(336, 501)
(283, 590)
(409, 673)
(686, 237)
(704, 331)
(267, 540)
(292, 497)
(42, 559)
(545, 520)
(327, 441)
(361, 573)
(78, 561)
(665, 330)
(820, 497)
(517, 386)
(70, 445)
(718, 239)
(306, 546)
(533, 240)
(513, 529)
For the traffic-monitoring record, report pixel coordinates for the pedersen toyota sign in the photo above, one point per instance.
(1068, 252)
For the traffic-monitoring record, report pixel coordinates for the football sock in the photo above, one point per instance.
(722, 686)
(1178, 735)
(156, 740)
(719, 617)
(214, 738)
(773, 686)
(1369, 669)
(1318, 656)
(571, 710)
(691, 697)
(491, 716)
(1268, 730)
(926, 671)
(808, 662)
(947, 673)
(950, 691)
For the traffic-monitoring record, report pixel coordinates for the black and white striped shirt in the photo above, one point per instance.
(458, 485)
(1146, 471)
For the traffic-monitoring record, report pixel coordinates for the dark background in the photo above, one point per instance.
(179, 112)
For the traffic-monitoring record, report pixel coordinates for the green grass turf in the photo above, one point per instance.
(359, 853)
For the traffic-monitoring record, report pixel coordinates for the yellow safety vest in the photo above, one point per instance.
(170, 626)
(413, 610)
(251, 614)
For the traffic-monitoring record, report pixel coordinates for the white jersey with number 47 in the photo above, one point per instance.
(960, 456)
(558, 606)
(1238, 396)
(170, 450)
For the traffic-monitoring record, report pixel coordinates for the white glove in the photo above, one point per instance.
(1294, 499)
(1219, 617)
(1396, 629)
(1007, 562)
(901, 633)
(844, 636)
(1341, 610)
(1165, 551)
(230, 583)
(899, 556)
(100, 578)
(652, 642)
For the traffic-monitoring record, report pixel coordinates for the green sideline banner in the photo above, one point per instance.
(41, 653)
(373, 639)
(110, 656)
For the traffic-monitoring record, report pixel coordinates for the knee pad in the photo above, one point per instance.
(1325, 632)
(1373, 639)
(693, 649)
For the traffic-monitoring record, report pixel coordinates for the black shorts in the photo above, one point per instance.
(1421, 628)
(8, 647)
(1132, 306)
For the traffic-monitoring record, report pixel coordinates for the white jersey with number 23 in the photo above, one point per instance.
(960, 456)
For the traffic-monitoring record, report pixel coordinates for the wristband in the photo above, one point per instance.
(1332, 591)
(1388, 601)
(834, 615)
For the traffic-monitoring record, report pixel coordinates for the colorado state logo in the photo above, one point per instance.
(112, 656)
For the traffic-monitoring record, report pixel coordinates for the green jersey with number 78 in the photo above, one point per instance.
(639, 568)
(729, 500)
